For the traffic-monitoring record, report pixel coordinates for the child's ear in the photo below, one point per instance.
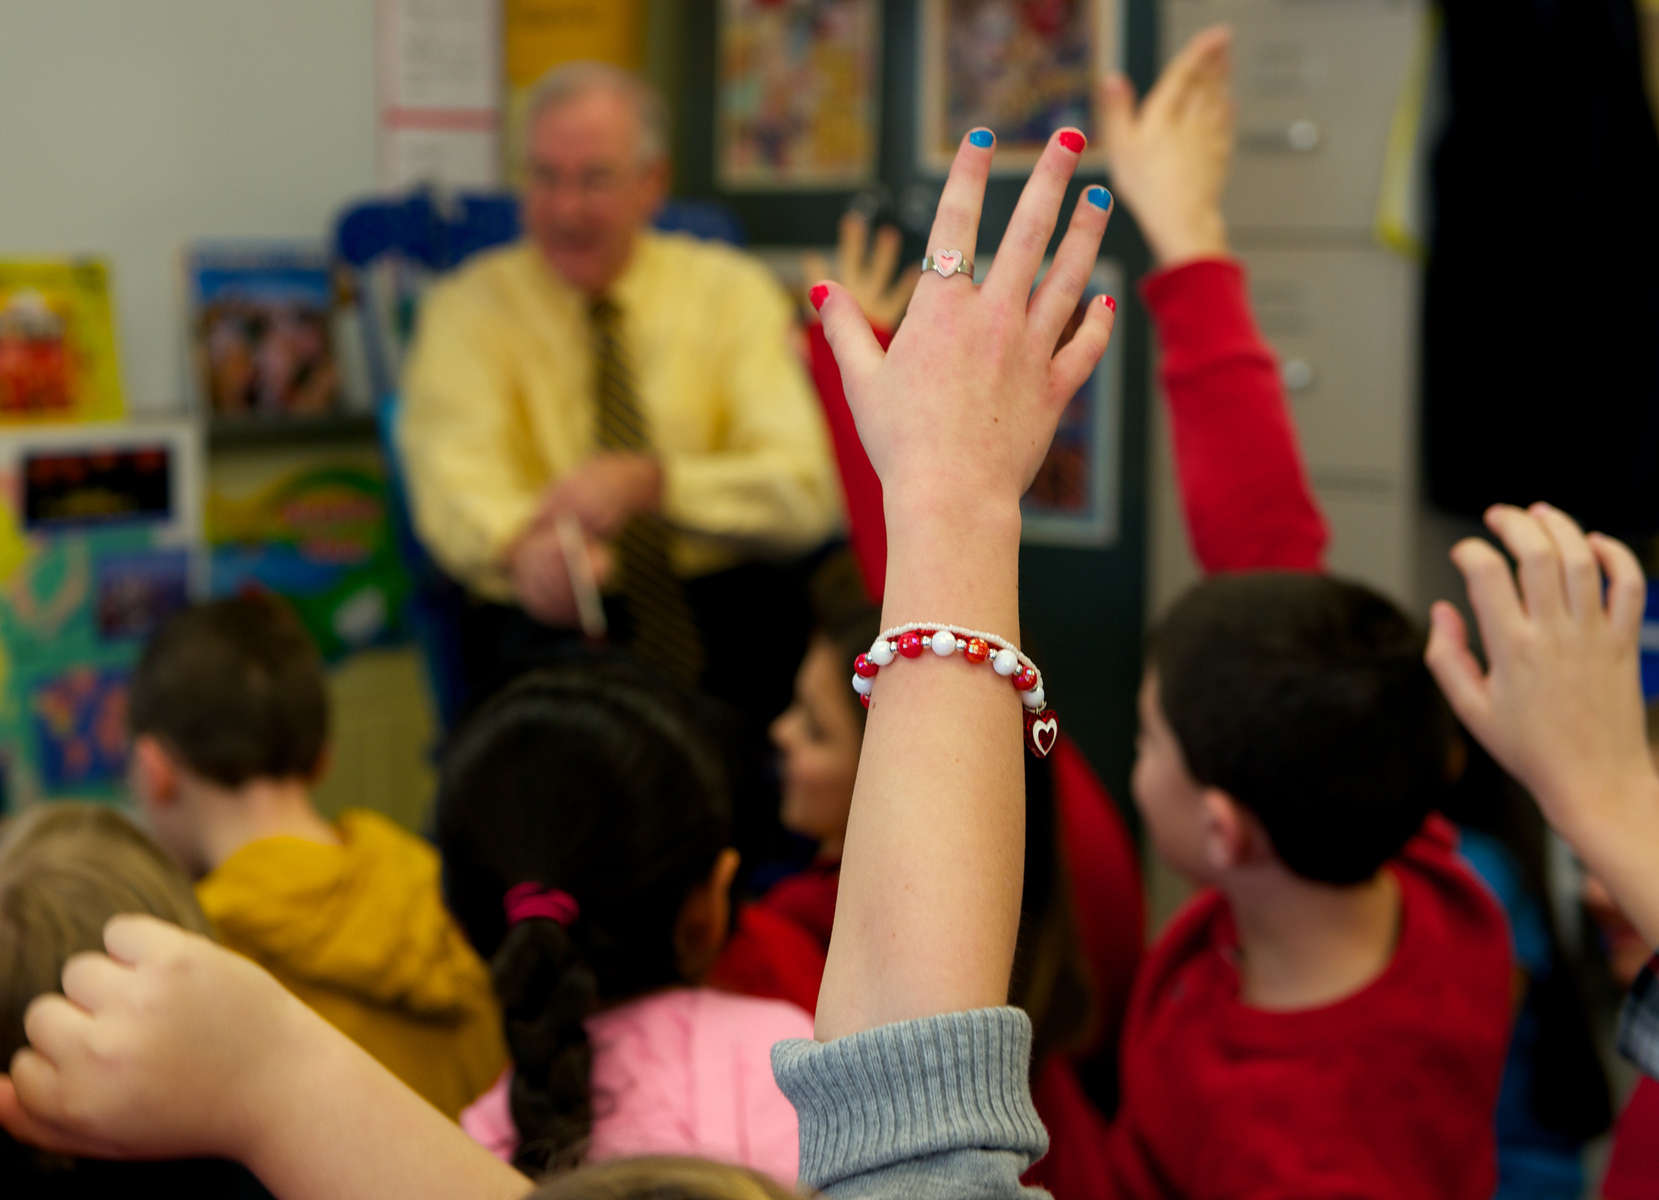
(705, 917)
(1228, 831)
(154, 774)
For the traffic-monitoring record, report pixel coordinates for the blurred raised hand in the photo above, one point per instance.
(1559, 703)
(1169, 154)
(868, 272)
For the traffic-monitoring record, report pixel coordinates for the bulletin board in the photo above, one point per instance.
(98, 526)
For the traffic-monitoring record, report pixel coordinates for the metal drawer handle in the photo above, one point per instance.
(1298, 374)
(1301, 136)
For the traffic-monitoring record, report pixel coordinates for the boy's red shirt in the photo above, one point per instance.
(1388, 1092)
(1633, 1169)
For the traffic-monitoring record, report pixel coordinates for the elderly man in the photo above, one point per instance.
(600, 390)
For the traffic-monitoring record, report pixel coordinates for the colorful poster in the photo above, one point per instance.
(798, 93)
(1074, 499)
(135, 591)
(58, 356)
(79, 720)
(96, 530)
(262, 325)
(1023, 68)
(318, 534)
(538, 35)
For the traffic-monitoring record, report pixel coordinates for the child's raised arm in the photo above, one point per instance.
(957, 416)
(1560, 704)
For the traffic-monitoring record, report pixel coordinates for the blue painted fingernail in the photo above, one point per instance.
(982, 138)
(1099, 197)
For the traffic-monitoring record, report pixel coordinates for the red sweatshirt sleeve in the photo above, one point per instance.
(866, 522)
(1244, 487)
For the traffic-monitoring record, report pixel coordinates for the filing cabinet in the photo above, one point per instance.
(1317, 85)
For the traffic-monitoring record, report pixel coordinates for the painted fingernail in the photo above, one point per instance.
(1099, 197)
(1109, 302)
(981, 138)
(818, 295)
(1073, 141)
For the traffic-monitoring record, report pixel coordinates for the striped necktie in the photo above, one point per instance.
(665, 634)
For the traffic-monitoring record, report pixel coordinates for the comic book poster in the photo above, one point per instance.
(315, 530)
(95, 554)
(1023, 68)
(1074, 499)
(58, 356)
(262, 329)
(798, 93)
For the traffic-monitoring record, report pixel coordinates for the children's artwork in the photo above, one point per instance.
(798, 93)
(80, 725)
(58, 359)
(137, 590)
(1074, 499)
(1023, 68)
(79, 486)
(262, 329)
(320, 536)
(96, 530)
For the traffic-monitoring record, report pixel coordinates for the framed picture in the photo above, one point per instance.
(1074, 499)
(797, 94)
(1022, 68)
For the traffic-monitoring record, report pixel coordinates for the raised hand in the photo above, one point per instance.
(956, 416)
(964, 403)
(1560, 705)
(871, 275)
(1169, 155)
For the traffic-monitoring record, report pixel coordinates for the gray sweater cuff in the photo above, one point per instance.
(913, 1091)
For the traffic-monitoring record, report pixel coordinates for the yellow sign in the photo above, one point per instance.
(541, 34)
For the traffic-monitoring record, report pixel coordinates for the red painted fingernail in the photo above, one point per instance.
(818, 295)
(1109, 303)
(1073, 141)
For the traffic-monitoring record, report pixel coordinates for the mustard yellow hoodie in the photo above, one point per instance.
(360, 933)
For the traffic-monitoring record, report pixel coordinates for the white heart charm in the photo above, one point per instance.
(1042, 733)
(946, 261)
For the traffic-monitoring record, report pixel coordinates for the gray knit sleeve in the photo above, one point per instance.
(939, 1107)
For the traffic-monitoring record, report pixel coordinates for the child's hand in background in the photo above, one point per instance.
(870, 275)
(1169, 154)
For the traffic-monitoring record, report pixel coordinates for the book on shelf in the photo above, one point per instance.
(270, 337)
(58, 355)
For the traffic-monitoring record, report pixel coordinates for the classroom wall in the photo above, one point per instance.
(131, 128)
(239, 118)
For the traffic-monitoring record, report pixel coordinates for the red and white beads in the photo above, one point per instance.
(912, 640)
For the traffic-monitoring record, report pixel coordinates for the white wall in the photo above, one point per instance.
(129, 128)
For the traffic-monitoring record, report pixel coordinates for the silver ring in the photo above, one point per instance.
(948, 263)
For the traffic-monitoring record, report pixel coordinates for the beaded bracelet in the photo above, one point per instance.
(1042, 727)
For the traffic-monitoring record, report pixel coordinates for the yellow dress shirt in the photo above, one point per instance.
(498, 402)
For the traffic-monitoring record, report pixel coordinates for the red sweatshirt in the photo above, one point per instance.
(1385, 1094)
(1633, 1168)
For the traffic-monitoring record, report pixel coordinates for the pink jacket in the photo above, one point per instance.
(686, 1071)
